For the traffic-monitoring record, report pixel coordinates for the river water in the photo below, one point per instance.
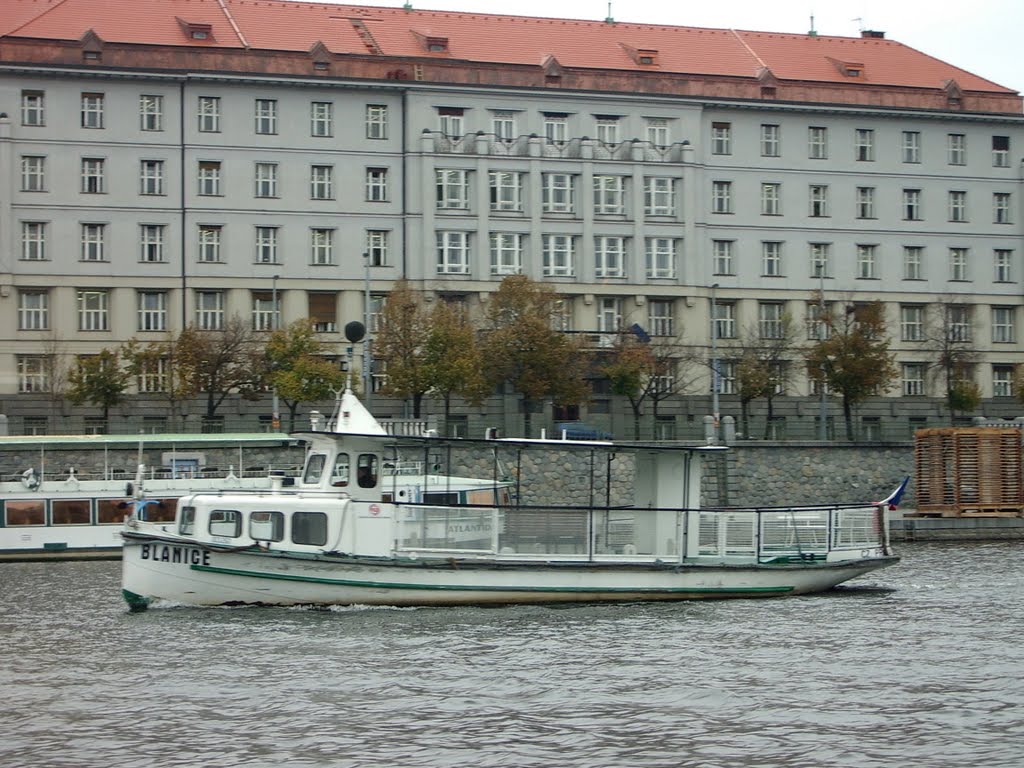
(920, 664)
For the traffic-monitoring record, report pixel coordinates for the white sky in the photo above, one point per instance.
(980, 36)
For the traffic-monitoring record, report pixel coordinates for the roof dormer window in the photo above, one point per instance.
(645, 57)
(432, 43)
(196, 30)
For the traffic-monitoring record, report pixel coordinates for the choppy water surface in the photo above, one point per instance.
(916, 665)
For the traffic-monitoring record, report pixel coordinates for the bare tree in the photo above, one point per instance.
(400, 344)
(762, 368)
(949, 339)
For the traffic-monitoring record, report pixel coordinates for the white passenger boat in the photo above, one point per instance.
(349, 533)
(50, 511)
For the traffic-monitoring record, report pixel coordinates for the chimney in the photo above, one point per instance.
(874, 34)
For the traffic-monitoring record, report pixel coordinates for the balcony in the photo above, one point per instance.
(436, 142)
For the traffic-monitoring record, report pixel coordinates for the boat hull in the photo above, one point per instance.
(175, 573)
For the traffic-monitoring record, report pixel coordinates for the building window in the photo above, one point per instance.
(453, 253)
(33, 310)
(557, 193)
(660, 255)
(771, 199)
(956, 148)
(721, 256)
(1003, 259)
(266, 116)
(33, 373)
(867, 262)
(660, 319)
(503, 125)
(1001, 208)
(958, 322)
(657, 132)
(725, 320)
(376, 121)
(864, 145)
(818, 195)
(865, 202)
(266, 180)
(912, 204)
(958, 264)
(659, 196)
(1003, 325)
(92, 110)
(321, 182)
(609, 315)
(33, 173)
(721, 197)
(817, 143)
(323, 311)
(558, 255)
(1001, 151)
(151, 242)
(1002, 380)
(913, 379)
(209, 177)
(958, 206)
(377, 304)
(506, 253)
(556, 129)
(92, 175)
(377, 185)
(151, 177)
(820, 253)
(450, 121)
(726, 377)
(151, 112)
(609, 195)
(153, 375)
(910, 149)
(771, 258)
(210, 310)
(321, 244)
(33, 241)
(452, 187)
(721, 138)
(911, 322)
(266, 245)
(913, 262)
(209, 114)
(817, 328)
(265, 311)
(92, 311)
(152, 310)
(209, 243)
(377, 247)
(506, 191)
(607, 131)
(93, 242)
(33, 111)
(770, 320)
(321, 118)
(609, 256)
(771, 140)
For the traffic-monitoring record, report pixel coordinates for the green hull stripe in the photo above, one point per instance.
(470, 588)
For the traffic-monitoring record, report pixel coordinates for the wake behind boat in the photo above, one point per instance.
(351, 532)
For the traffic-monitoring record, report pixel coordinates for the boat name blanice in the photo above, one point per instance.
(169, 554)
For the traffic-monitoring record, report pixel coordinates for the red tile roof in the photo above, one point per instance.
(280, 25)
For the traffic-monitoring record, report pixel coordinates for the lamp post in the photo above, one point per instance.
(714, 357)
(367, 357)
(823, 412)
(275, 417)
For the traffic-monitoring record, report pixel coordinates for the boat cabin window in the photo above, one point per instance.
(266, 526)
(441, 498)
(70, 512)
(367, 472)
(339, 478)
(314, 468)
(226, 522)
(112, 510)
(187, 523)
(309, 528)
(161, 510)
(25, 512)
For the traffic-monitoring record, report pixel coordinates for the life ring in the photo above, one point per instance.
(30, 479)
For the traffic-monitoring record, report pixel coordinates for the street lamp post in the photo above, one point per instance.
(823, 412)
(367, 357)
(714, 358)
(275, 418)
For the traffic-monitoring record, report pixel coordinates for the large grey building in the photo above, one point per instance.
(165, 170)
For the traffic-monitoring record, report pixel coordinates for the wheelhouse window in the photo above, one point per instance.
(314, 468)
(366, 470)
(187, 521)
(340, 473)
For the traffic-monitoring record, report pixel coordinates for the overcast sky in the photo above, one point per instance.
(983, 36)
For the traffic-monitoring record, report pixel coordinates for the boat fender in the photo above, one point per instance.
(30, 479)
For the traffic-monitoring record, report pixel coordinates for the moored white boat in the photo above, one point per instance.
(348, 532)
